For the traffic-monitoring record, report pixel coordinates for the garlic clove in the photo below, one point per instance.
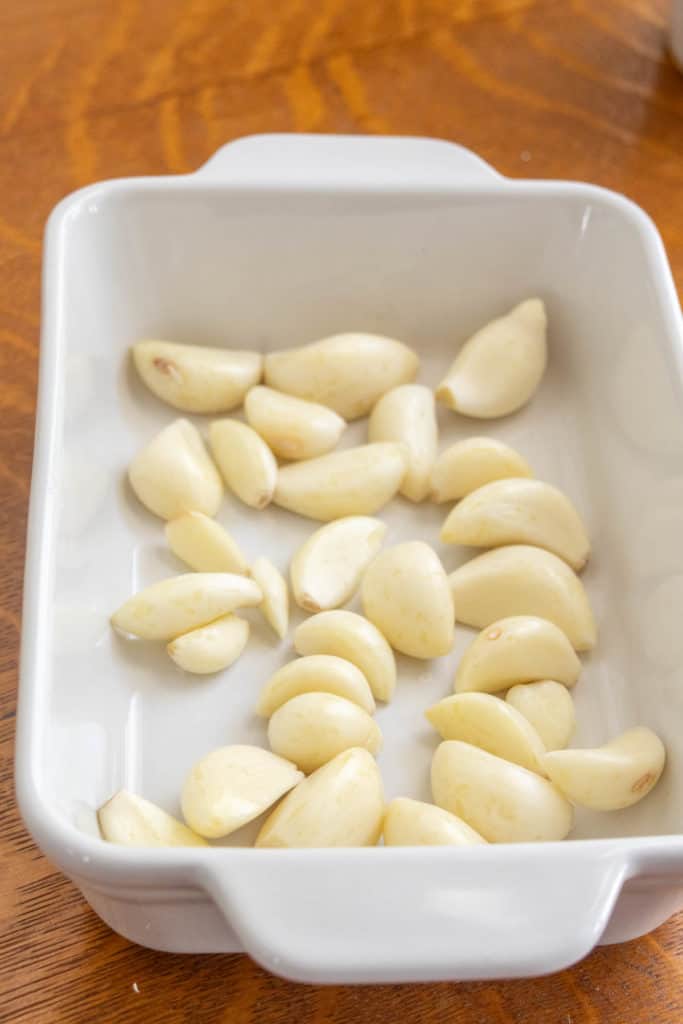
(233, 785)
(174, 474)
(312, 728)
(472, 463)
(275, 604)
(523, 580)
(355, 481)
(319, 673)
(204, 544)
(611, 777)
(406, 414)
(179, 604)
(327, 569)
(347, 372)
(519, 511)
(414, 823)
(405, 593)
(195, 378)
(246, 462)
(549, 707)
(352, 637)
(340, 804)
(292, 427)
(489, 723)
(129, 820)
(210, 648)
(518, 649)
(499, 368)
(504, 802)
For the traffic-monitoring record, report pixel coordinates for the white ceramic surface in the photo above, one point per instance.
(279, 240)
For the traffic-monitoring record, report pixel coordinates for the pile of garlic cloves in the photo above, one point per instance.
(502, 771)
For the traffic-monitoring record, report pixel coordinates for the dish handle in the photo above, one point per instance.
(344, 161)
(419, 914)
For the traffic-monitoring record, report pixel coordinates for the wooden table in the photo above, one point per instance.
(98, 88)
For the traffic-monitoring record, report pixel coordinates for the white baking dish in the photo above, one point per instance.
(276, 241)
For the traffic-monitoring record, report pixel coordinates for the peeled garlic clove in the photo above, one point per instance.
(204, 544)
(523, 580)
(352, 637)
(340, 804)
(233, 785)
(347, 372)
(406, 414)
(176, 605)
(275, 604)
(489, 723)
(311, 729)
(292, 427)
(611, 777)
(498, 369)
(210, 648)
(195, 378)
(173, 474)
(320, 673)
(519, 649)
(129, 820)
(356, 481)
(502, 801)
(469, 464)
(413, 823)
(405, 593)
(548, 706)
(327, 569)
(246, 462)
(519, 511)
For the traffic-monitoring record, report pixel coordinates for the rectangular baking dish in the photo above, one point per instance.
(276, 241)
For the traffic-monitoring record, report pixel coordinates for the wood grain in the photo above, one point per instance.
(100, 88)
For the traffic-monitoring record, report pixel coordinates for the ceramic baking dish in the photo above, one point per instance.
(276, 241)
